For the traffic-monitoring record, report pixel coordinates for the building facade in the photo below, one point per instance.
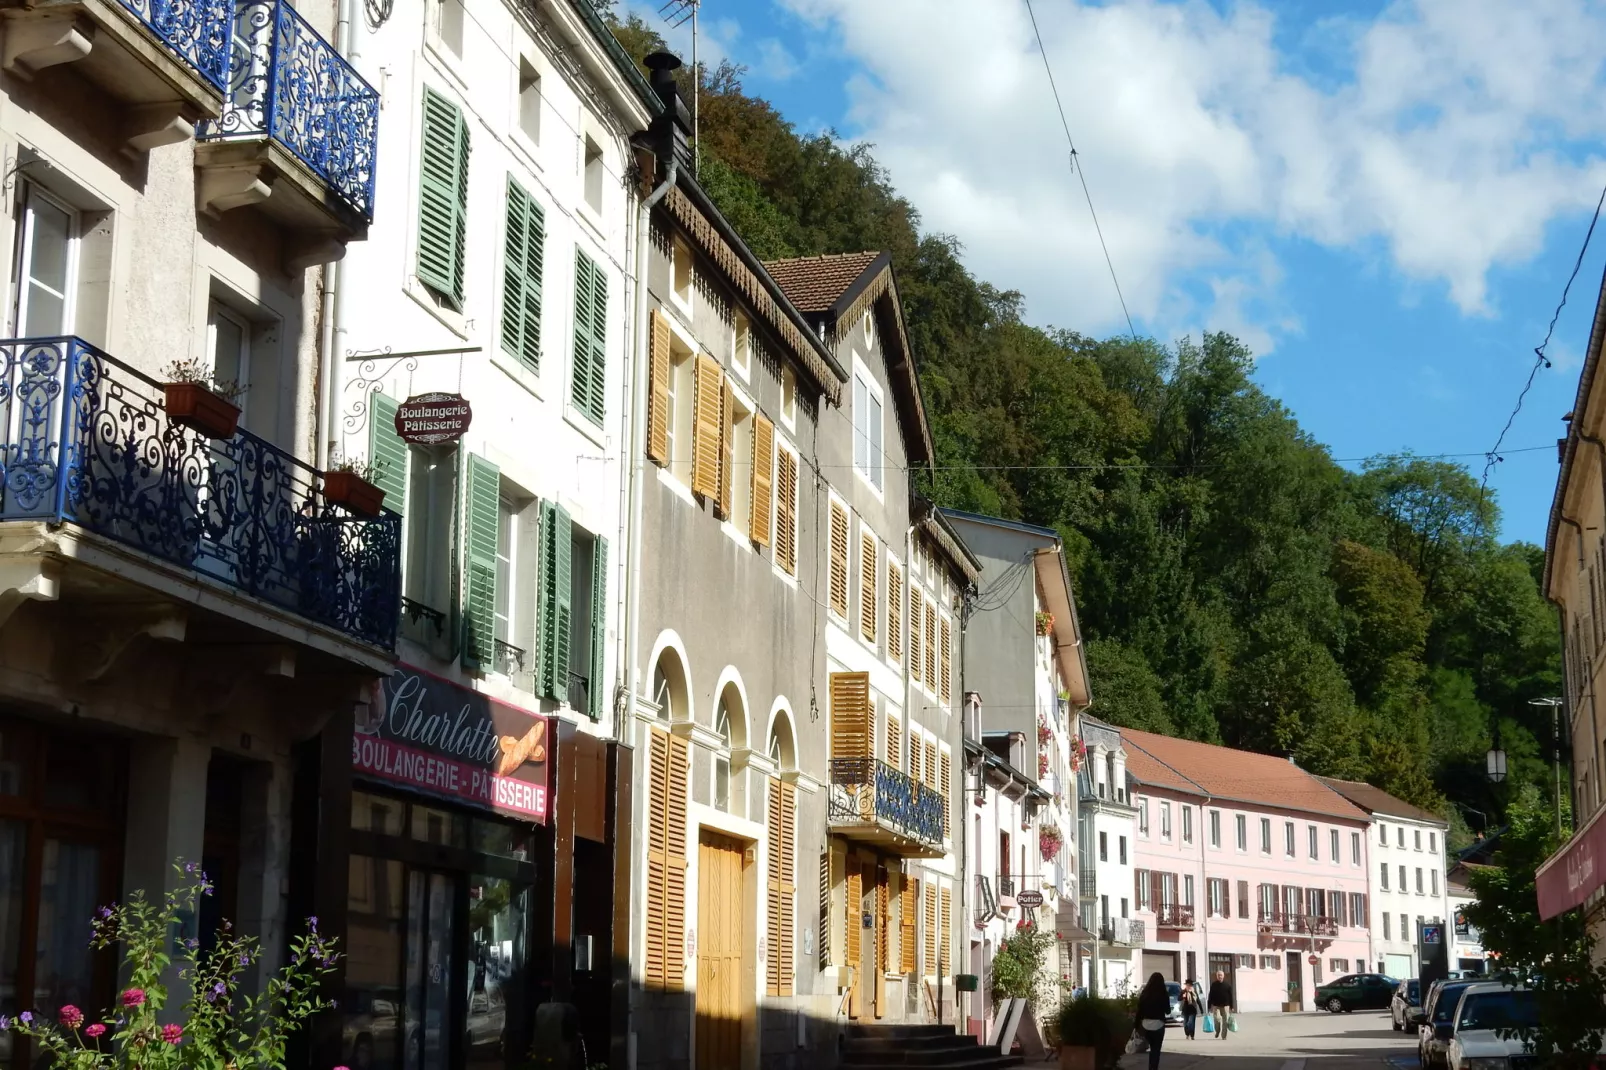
(1247, 865)
(1107, 854)
(1406, 874)
(1466, 943)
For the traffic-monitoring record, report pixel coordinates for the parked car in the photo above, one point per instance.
(1482, 1013)
(1438, 1009)
(1174, 1015)
(1407, 997)
(1357, 992)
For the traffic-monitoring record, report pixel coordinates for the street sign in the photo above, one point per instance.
(428, 419)
(1314, 960)
(1030, 899)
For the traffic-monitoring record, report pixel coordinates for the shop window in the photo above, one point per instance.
(435, 825)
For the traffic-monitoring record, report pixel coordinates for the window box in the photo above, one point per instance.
(353, 492)
(194, 406)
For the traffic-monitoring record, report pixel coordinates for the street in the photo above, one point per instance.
(1270, 1041)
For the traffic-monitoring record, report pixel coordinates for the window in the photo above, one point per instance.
(506, 550)
(1125, 907)
(1419, 889)
(741, 345)
(443, 197)
(1384, 874)
(1187, 824)
(1433, 841)
(931, 646)
(1241, 825)
(1265, 835)
(838, 550)
(1104, 847)
(1315, 851)
(1399, 835)
(1340, 966)
(47, 266)
(1243, 899)
(1405, 927)
(524, 244)
(894, 738)
(1288, 838)
(1416, 834)
(722, 757)
(1335, 901)
(1216, 897)
(589, 388)
(1215, 828)
(449, 25)
(789, 397)
(1140, 881)
(681, 275)
(1433, 880)
(1357, 909)
(1187, 889)
(1332, 844)
(529, 101)
(1382, 834)
(1122, 845)
(737, 460)
(869, 606)
(1165, 820)
(867, 428)
(1355, 848)
(785, 506)
(894, 610)
(1402, 886)
(946, 675)
(229, 346)
(593, 175)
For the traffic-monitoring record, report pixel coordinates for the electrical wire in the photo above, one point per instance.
(1077, 170)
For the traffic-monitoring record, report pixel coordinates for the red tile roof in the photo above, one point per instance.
(1230, 775)
(1377, 801)
(815, 282)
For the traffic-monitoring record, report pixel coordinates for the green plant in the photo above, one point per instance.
(222, 1028)
(1098, 1023)
(195, 370)
(1020, 969)
(366, 470)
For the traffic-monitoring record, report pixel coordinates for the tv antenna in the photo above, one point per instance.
(677, 13)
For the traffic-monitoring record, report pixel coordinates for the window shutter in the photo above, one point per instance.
(442, 198)
(588, 391)
(1156, 889)
(854, 929)
(894, 611)
(929, 963)
(758, 521)
(894, 741)
(523, 245)
(850, 716)
(944, 775)
(479, 609)
(727, 444)
(931, 646)
(556, 609)
(666, 862)
(786, 511)
(825, 908)
(931, 763)
(596, 688)
(867, 586)
(675, 847)
(946, 923)
(883, 926)
(947, 662)
(387, 452)
(908, 923)
(706, 407)
(839, 560)
(658, 372)
(782, 887)
(916, 660)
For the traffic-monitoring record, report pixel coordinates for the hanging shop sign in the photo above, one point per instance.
(430, 419)
(1030, 899)
(428, 735)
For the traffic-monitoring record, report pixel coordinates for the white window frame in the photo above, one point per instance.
(215, 311)
(1215, 829)
(24, 258)
(681, 256)
(1165, 819)
(741, 343)
(1241, 829)
(531, 139)
(874, 474)
(1265, 837)
(1335, 846)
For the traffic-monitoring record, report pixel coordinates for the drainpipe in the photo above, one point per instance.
(332, 304)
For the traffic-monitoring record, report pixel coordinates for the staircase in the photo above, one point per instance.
(884, 1047)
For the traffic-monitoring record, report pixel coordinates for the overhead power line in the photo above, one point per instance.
(1076, 169)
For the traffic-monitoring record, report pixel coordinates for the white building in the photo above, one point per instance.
(1466, 943)
(1109, 822)
(1405, 876)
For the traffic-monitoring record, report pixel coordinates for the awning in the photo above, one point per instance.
(1572, 874)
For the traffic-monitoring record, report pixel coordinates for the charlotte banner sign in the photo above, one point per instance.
(1573, 873)
(429, 735)
(428, 419)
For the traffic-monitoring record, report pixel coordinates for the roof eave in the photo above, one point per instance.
(1586, 382)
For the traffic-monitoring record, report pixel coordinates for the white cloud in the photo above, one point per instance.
(773, 62)
(1443, 136)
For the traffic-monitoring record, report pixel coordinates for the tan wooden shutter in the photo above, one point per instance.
(851, 729)
(666, 862)
(894, 741)
(853, 933)
(825, 908)
(929, 963)
(758, 523)
(727, 444)
(931, 646)
(675, 823)
(883, 938)
(944, 774)
(947, 663)
(943, 960)
(915, 645)
(839, 560)
(782, 827)
(786, 511)
(931, 763)
(894, 611)
(706, 406)
(909, 924)
(867, 586)
(658, 389)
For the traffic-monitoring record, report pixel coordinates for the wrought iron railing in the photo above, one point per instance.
(579, 693)
(1129, 932)
(869, 791)
(1174, 916)
(86, 439)
(986, 902)
(1320, 926)
(1006, 885)
(506, 658)
(418, 613)
(286, 82)
(197, 31)
(1302, 924)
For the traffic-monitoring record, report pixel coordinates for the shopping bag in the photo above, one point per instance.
(1209, 1023)
(1232, 1023)
(1136, 1044)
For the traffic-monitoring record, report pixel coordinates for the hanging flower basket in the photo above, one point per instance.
(1042, 766)
(195, 406)
(1049, 842)
(354, 492)
(1045, 734)
(1045, 623)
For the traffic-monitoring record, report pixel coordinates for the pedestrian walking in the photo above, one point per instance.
(1190, 1007)
(1154, 1003)
(1220, 1003)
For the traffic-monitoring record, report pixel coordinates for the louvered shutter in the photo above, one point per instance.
(658, 372)
(556, 609)
(850, 715)
(883, 930)
(523, 245)
(727, 437)
(443, 198)
(588, 390)
(675, 848)
(666, 862)
(786, 511)
(596, 688)
(916, 646)
(1156, 890)
(387, 452)
(931, 646)
(708, 386)
(839, 560)
(867, 586)
(758, 520)
(894, 741)
(946, 923)
(825, 909)
(479, 607)
(947, 662)
(944, 774)
(782, 818)
(853, 932)
(928, 964)
(909, 924)
(894, 611)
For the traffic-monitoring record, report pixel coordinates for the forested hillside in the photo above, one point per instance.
(1236, 584)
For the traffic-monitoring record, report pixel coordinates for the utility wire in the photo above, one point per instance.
(1077, 169)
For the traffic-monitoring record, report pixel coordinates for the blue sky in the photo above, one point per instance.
(1383, 199)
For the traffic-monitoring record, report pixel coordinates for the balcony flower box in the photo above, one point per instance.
(354, 492)
(1045, 623)
(1049, 842)
(194, 405)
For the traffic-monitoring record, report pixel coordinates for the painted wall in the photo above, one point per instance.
(1412, 851)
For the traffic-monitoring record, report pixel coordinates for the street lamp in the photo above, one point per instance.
(1496, 764)
(1555, 747)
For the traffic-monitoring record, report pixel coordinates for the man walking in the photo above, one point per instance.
(1220, 1003)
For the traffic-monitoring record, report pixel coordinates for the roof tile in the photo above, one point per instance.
(815, 282)
(1228, 774)
(1377, 801)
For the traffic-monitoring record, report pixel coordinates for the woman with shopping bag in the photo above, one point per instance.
(1190, 1008)
(1154, 1003)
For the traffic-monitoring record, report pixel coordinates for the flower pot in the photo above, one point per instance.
(353, 492)
(1077, 1057)
(966, 982)
(193, 405)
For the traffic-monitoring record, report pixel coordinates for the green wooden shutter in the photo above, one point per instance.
(590, 331)
(479, 605)
(521, 277)
(443, 198)
(599, 626)
(387, 452)
(599, 338)
(555, 610)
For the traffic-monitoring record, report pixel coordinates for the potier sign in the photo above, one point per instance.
(428, 419)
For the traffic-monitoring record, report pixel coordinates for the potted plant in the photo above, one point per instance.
(1093, 1032)
(351, 484)
(1049, 842)
(196, 398)
(1045, 622)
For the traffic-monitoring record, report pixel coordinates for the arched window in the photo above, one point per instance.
(722, 758)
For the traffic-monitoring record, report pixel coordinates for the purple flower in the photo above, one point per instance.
(218, 988)
(5, 1023)
(312, 923)
(192, 944)
(245, 958)
(25, 1017)
(94, 1030)
(105, 912)
(189, 867)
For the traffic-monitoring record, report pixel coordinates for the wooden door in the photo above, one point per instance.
(720, 939)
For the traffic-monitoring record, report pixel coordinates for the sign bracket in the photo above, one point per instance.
(370, 376)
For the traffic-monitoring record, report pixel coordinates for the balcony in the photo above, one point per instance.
(986, 902)
(872, 802)
(1123, 932)
(1173, 916)
(296, 134)
(1277, 922)
(87, 442)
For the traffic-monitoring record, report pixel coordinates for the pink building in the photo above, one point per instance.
(1248, 864)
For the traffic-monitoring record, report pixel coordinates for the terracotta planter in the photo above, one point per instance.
(1076, 1057)
(353, 492)
(193, 405)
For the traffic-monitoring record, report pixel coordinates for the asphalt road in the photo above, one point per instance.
(1316, 1040)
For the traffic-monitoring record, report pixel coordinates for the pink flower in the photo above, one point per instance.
(172, 1033)
(94, 1030)
(71, 1016)
(133, 997)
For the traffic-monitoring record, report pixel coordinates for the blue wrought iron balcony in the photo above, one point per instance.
(288, 86)
(87, 440)
(872, 801)
(197, 31)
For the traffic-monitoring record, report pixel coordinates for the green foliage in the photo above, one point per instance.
(1098, 1023)
(1020, 968)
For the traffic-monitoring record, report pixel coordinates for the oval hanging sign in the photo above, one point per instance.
(1030, 899)
(428, 419)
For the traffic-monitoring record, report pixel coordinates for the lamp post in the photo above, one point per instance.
(1555, 748)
